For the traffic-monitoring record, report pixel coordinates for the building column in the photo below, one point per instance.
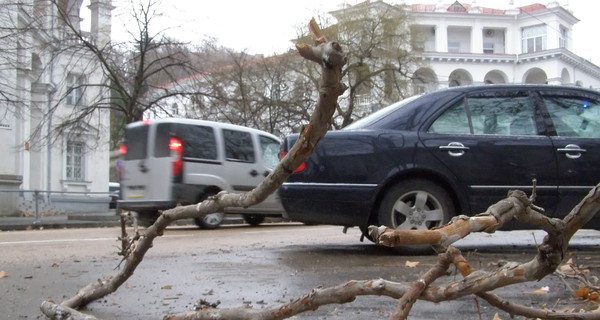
(476, 38)
(441, 38)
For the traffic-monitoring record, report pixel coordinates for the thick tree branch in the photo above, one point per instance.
(331, 60)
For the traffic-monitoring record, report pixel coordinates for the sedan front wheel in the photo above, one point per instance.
(415, 205)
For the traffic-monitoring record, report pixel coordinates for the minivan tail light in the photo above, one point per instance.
(176, 148)
(123, 150)
(300, 168)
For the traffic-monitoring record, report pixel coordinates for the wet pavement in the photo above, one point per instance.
(257, 267)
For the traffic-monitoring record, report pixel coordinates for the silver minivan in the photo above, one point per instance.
(166, 162)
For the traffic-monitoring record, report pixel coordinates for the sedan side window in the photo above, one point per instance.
(489, 115)
(574, 116)
(504, 115)
(452, 121)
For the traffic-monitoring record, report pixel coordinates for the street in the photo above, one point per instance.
(254, 266)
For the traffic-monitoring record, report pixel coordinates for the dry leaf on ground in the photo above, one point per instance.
(542, 290)
(411, 264)
(3, 274)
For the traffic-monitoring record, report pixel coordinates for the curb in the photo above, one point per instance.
(84, 220)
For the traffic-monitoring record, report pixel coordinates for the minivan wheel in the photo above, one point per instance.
(415, 204)
(253, 219)
(210, 221)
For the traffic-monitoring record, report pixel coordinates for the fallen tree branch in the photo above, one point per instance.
(417, 287)
(534, 313)
(491, 220)
(331, 58)
(63, 313)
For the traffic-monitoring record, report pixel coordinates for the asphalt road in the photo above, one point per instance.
(257, 266)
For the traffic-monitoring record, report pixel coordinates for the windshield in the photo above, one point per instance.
(374, 117)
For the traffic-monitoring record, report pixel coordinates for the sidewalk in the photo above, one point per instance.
(80, 220)
(73, 220)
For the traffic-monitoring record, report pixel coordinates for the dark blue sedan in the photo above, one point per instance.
(423, 160)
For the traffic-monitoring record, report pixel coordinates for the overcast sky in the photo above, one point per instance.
(266, 26)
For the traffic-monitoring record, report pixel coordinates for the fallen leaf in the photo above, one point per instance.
(582, 292)
(167, 287)
(411, 264)
(3, 274)
(594, 296)
(542, 290)
(497, 317)
(55, 265)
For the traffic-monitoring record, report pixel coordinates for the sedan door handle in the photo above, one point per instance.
(253, 173)
(455, 149)
(572, 151)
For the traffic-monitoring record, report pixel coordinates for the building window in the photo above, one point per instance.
(534, 38)
(75, 89)
(74, 164)
(488, 48)
(562, 38)
(453, 46)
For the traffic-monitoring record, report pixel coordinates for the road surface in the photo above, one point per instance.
(254, 266)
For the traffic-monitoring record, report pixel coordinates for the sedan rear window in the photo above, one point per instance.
(382, 113)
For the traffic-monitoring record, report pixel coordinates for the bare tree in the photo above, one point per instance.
(100, 75)
(380, 60)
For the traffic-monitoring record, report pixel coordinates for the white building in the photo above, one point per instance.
(44, 78)
(462, 44)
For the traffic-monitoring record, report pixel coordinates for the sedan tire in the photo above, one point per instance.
(415, 204)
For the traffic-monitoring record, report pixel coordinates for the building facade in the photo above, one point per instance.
(46, 77)
(463, 44)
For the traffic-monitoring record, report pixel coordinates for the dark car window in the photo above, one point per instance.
(514, 115)
(574, 116)
(452, 121)
(161, 140)
(135, 140)
(381, 114)
(198, 141)
(238, 146)
(488, 115)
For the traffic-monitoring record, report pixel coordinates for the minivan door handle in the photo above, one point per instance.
(572, 151)
(142, 167)
(253, 173)
(455, 149)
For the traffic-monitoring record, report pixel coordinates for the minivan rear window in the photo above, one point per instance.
(238, 146)
(136, 139)
(198, 141)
